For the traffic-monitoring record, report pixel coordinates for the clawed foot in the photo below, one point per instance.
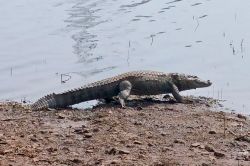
(123, 107)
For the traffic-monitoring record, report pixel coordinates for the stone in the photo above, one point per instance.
(78, 131)
(163, 134)
(3, 142)
(179, 141)
(219, 154)
(36, 159)
(114, 162)
(43, 131)
(241, 116)
(209, 148)
(243, 138)
(96, 130)
(205, 153)
(34, 139)
(202, 147)
(123, 151)
(138, 123)
(212, 158)
(7, 151)
(51, 149)
(61, 116)
(111, 151)
(130, 145)
(76, 161)
(137, 142)
(88, 135)
(197, 144)
(89, 151)
(212, 132)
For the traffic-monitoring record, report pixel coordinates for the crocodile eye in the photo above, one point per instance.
(175, 76)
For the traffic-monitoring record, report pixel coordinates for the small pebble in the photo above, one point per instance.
(195, 144)
(219, 154)
(212, 132)
(137, 142)
(123, 151)
(241, 116)
(179, 141)
(88, 135)
(89, 151)
(209, 148)
(61, 116)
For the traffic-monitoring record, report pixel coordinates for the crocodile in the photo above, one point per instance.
(123, 85)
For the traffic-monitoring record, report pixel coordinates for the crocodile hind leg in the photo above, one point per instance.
(125, 88)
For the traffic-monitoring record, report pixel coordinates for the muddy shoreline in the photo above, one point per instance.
(148, 132)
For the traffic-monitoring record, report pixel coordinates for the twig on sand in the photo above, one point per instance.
(224, 125)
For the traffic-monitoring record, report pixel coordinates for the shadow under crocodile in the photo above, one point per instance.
(139, 103)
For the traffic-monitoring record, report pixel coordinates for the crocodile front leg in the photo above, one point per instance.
(125, 89)
(176, 93)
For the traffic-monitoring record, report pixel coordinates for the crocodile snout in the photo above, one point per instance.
(209, 82)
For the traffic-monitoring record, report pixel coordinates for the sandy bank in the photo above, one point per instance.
(146, 133)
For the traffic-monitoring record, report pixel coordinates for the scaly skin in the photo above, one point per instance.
(131, 83)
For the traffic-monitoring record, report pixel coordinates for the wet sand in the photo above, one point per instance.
(147, 132)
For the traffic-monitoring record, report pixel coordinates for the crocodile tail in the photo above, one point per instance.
(45, 102)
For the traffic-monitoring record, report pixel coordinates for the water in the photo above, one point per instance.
(50, 46)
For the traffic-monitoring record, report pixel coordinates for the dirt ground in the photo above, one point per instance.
(147, 132)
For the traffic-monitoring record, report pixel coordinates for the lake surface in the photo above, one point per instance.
(51, 46)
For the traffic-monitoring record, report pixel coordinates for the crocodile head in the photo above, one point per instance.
(186, 82)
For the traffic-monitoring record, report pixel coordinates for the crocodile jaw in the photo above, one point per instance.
(186, 82)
